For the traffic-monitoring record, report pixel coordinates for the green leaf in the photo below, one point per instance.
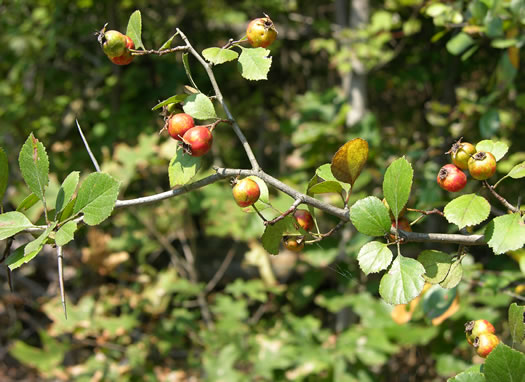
(325, 187)
(498, 149)
(96, 198)
(183, 168)
(397, 184)
(30, 250)
(13, 222)
(349, 160)
(436, 9)
(325, 173)
(199, 107)
(66, 233)
(437, 265)
(255, 63)
(168, 42)
(173, 99)
(517, 171)
(504, 43)
(516, 324)
(34, 165)
(374, 257)
(403, 282)
(454, 275)
(370, 217)
(188, 71)
(66, 191)
(459, 43)
(273, 234)
(28, 202)
(468, 376)
(4, 173)
(134, 30)
(219, 56)
(437, 300)
(489, 123)
(505, 365)
(466, 210)
(505, 233)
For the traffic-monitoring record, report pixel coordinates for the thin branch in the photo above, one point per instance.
(290, 210)
(8, 244)
(233, 42)
(321, 236)
(259, 214)
(430, 212)
(221, 271)
(502, 200)
(93, 159)
(444, 238)
(220, 98)
(162, 52)
(60, 264)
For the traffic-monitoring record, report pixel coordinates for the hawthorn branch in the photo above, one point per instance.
(501, 199)
(158, 52)
(93, 159)
(444, 238)
(290, 210)
(60, 264)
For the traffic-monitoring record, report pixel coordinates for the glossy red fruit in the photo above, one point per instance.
(402, 224)
(474, 328)
(451, 178)
(197, 141)
(178, 124)
(125, 58)
(261, 32)
(482, 165)
(293, 243)
(485, 343)
(114, 43)
(246, 192)
(304, 219)
(461, 153)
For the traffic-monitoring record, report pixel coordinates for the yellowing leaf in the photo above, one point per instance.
(349, 160)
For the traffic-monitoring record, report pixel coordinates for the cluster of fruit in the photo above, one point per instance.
(196, 140)
(116, 46)
(480, 334)
(480, 164)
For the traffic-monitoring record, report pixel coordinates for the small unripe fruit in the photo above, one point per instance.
(261, 32)
(127, 57)
(246, 192)
(451, 178)
(114, 44)
(402, 224)
(304, 219)
(293, 243)
(485, 343)
(482, 165)
(197, 141)
(461, 153)
(178, 124)
(474, 328)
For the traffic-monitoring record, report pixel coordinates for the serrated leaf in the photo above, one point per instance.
(459, 43)
(349, 160)
(325, 187)
(13, 222)
(468, 376)
(28, 202)
(134, 29)
(4, 173)
(517, 171)
(397, 185)
(403, 282)
(168, 42)
(374, 257)
(505, 365)
(66, 191)
(27, 252)
(370, 217)
(183, 168)
(437, 265)
(264, 198)
(219, 56)
(199, 107)
(255, 63)
(498, 149)
(34, 165)
(96, 198)
(273, 234)
(325, 173)
(454, 275)
(516, 324)
(173, 99)
(466, 210)
(66, 233)
(188, 71)
(505, 233)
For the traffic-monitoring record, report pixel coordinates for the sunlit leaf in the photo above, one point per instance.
(134, 30)
(349, 160)
(219, 56)
(374, 257)
(498, 149)
(66, 191)
(466, 210)
(255, 63)
(505, 365)
(370, 217)
(516, 322)
(199, 107)
(518, 171)
(182, 168)
(173, 99)
(505, 233)
(11, 223)
(66, 233)
(34, 165)
(437, 265)
(397, 185)
(96, 198)
(403, 282)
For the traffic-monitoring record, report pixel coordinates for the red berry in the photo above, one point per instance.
(485, 343)
(474, 328)
(451, 178)
(114, 43)
(246, 192)
(261, 32)
(178, 124)
(482, 165)
(197, 141)
(461, 153)
(293, 243)
(304, 219)
(127, 57)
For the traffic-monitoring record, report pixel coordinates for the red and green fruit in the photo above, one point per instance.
(127, 57)
(485, 343)
(304, 219)
(451, 178)
(482, 165)
(261, 32)
(474, 328)
(197, 141)
(114, 44)
(246, 192)
(179, 124)
(461, 153)
(402, 224)
(293, 243)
